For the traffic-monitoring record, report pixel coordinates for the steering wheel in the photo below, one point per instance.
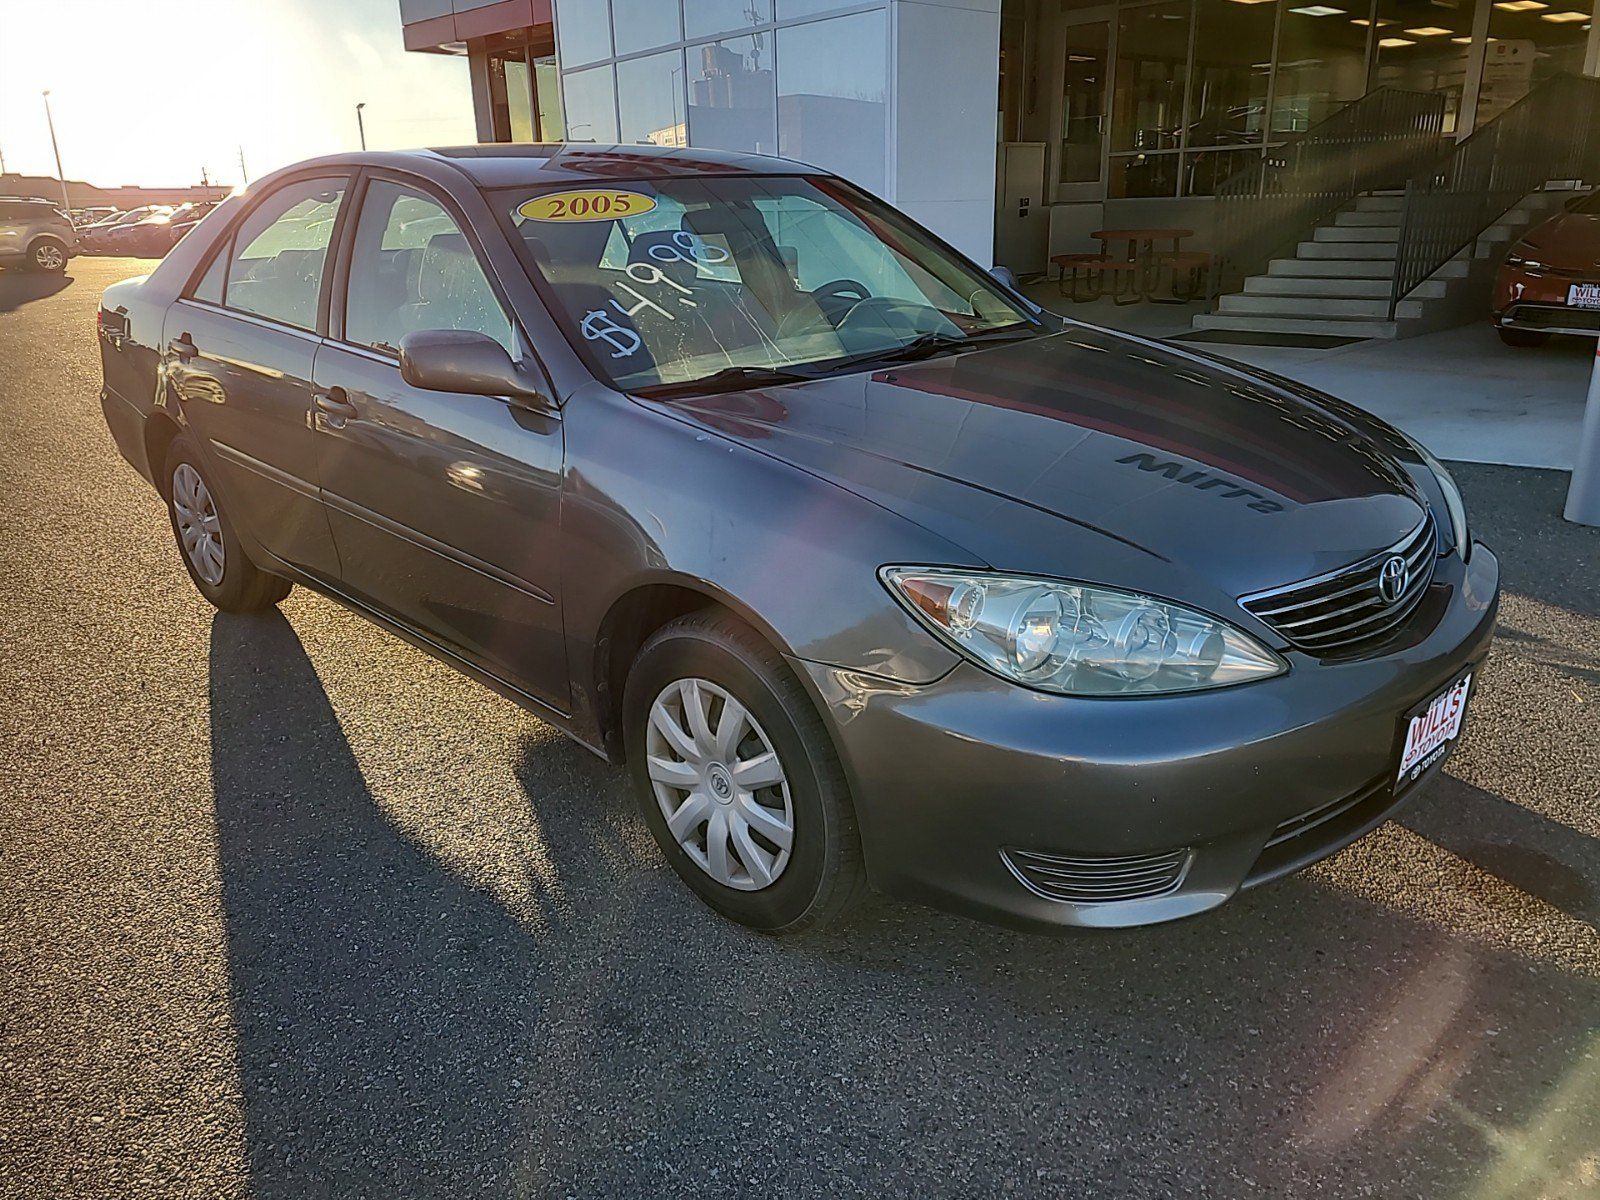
(834, 301)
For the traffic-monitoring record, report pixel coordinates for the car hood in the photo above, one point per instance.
(1568, 241)
(1092, 455)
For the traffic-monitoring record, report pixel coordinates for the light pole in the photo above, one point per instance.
(66, 202)
(361, 125)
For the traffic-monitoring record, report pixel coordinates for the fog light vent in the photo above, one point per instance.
(1078, 879)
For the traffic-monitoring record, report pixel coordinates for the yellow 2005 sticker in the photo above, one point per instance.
(587, 204)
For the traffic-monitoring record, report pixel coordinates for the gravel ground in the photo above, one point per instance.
(288, 909)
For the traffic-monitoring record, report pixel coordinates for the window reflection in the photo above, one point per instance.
(704, 17)
(1528, 46)
(651, 106)
(591, 105)
(733, 99)
(585, 32)
(832, 94)
(1414, 51)
(645, 24)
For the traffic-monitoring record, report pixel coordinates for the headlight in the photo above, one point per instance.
(1454, 507)
(1076, 639)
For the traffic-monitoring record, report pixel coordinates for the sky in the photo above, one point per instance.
(153, 91)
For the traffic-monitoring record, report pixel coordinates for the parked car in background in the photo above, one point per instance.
(89, 216)
(96, 237)
(867, 567)
(157, 233)
(35, 234)
(1550, 281)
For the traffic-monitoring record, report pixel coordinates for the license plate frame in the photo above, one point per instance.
(1583, 295)
(1435, 739)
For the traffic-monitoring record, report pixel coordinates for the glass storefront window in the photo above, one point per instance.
(511, 95)
(645, 24)
(651, 105)
(591, 105)
(1526, 47)
(1322, 64)
(1083, 101)
(1152, 60)
(833, 95)
(1232, 65)
(584, 31)
(1140, 175)
(733, 95)
(702, 18)
(1415, 52)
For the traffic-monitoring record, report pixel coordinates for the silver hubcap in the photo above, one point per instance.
(50, 258)
(720, 785)
(198, 527)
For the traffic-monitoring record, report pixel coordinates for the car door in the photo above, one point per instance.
(239, 348)
(445, 508)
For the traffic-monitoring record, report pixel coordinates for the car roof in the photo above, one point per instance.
(504, 164)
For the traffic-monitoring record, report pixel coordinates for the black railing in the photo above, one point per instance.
(1551, 133)
(1262, 210)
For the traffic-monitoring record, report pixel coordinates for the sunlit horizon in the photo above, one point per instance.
(155, 93)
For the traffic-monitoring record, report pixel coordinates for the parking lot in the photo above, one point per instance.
(292, 910)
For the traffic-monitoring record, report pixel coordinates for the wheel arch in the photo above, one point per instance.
(630, 621)
(160, 431)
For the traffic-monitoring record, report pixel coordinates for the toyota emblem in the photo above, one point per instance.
(1392, 580)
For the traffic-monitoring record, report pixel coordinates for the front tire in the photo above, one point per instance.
(210, 548)
(1523, 339)
(737, 777)
(49, 255)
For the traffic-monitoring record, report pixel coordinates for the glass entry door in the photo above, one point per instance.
(1086, 69)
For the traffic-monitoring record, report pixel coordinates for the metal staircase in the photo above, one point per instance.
(1417, 255)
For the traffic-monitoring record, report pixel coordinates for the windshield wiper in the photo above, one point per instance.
(926, 346)
(726, 380)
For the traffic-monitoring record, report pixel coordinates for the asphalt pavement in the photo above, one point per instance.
(290, 910)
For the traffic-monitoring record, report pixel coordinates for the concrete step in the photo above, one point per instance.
(1320, 268)
(1380, 203)
(1316, 306)
(1355, 233)
(1361, 218)
(1346, 250)
(1326, 326)
(1369, 289)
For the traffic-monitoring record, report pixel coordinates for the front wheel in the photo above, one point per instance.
(211, 551)
(1522, 338)
(737, 778)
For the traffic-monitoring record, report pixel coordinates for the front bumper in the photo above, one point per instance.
(1536, 301)
(965, 786)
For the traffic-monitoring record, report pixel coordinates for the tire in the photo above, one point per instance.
(821, 878)
(229, 580)
(49, 255)
(1521, 338)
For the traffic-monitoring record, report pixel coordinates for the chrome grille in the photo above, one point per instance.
(1077, 879)
(1344, 610)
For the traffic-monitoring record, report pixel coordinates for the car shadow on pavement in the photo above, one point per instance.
(24, 287)
(400, 1032)
(376, 998)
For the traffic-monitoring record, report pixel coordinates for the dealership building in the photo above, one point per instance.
(1014, 128)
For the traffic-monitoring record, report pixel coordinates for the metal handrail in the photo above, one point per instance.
(1553, 132)
(1273, 202)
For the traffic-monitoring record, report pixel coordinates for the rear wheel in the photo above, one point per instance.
(48, 254)
(737, 777)
(1522, 338)
(215, 560)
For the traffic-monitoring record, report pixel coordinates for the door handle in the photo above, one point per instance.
(182, 348)
(332, 408)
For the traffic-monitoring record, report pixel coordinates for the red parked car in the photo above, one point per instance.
(1550, 281)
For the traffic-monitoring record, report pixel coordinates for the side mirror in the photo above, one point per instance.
(1006, 276)
(464, 361)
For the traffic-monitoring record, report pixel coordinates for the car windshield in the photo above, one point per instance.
(673, 281)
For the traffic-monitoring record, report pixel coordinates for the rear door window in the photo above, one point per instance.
(280, 253)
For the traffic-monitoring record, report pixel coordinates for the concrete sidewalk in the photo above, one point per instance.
(1460, 392)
